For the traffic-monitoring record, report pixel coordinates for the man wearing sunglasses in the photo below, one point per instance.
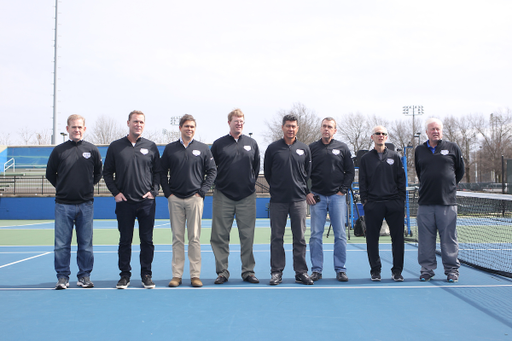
(382, 186)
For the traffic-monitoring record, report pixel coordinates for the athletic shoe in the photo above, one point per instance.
(452, 278)
(85, 282)
(315, 276)
(376, 276)
(303, 278)
(147, 282)
(426, 277)
(342, 277)
(123, 283)
(63, 283)
(397, 277)
(276, 278)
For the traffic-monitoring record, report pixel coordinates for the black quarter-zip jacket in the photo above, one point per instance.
(439, 173)
(332, 168)
(187, 171)
(238, 165)
(73, 169)
(132, 170)
(381, 180)
(287, 170)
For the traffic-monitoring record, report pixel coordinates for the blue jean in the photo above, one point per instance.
(81, 216)
(337, 207)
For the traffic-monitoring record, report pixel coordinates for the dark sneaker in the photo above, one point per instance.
(453, 278)
(342, 277)
(147, 282)
(85, 282)
(304, 279)
(123, 283)
(315, 276)
(397, 277)
(63, 283)
(376, 276)
(276, 278)
(426, 277)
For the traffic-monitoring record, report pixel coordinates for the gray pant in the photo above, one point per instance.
(433, 218)
(278, 215)
(224, 212)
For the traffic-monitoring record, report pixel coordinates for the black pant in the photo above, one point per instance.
(393, 212)
(126, 212)
(278, 216)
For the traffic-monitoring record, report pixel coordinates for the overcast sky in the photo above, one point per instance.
(168, 58)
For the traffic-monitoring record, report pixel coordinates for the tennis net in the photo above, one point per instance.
(484, 229)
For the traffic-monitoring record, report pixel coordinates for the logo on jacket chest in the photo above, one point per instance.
(444, 152)
(144, 151)
(300, 151)
(196, 152)
(248, 148)
(86, 155)
(390, 161)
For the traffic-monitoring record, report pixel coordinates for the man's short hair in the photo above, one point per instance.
(432, 120)
(75, 117)
(330, 119)
(379, 128)
(290, 117)
(186, 118)
(136, 112)
(235, 113)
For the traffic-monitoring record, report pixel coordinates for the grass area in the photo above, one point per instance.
(161, 236)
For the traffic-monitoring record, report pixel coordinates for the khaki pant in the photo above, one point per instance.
(189, 210)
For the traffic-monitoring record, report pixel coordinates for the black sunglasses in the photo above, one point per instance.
(379, 133)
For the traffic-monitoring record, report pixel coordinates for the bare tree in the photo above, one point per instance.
(43, 137)
(106, 130)
(162, 137)
(496, 141)
(5, 139)
(26, 135)
(355, 131)
(460, 131)
(309, 124)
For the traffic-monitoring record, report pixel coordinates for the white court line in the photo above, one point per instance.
(22, 260)
(304, 287)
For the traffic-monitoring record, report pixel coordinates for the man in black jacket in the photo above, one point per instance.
(188, 173)
(439, 167)
(132, 175)
(237, 157)
(287, 167)
(74, 167)
(382, 186)
(332, 173)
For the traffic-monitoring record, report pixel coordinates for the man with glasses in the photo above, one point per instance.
(238, 163)
(332, 173)
(382, 186)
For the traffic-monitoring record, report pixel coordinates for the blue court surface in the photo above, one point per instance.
(478, 307)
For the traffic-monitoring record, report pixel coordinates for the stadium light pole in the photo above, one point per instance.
(54, 135)
(413, 110)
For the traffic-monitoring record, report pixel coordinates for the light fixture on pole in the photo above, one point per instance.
(416, 111)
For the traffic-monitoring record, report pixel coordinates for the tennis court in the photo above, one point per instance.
(478, 307)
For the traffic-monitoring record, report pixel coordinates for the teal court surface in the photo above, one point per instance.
(478, 307)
